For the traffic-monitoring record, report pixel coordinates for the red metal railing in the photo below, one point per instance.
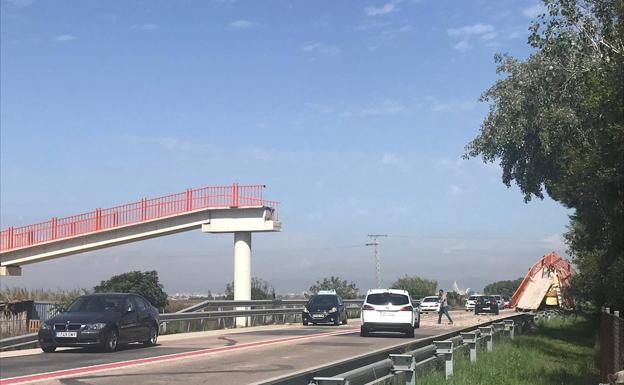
(141, 211)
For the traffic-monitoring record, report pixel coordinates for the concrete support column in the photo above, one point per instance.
(242, 271)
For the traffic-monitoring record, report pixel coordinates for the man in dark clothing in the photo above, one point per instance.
(443, 307)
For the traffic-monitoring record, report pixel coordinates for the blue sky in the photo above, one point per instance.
(355, 114)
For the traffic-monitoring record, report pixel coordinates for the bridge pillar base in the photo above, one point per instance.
(11, 270)
(242, 272)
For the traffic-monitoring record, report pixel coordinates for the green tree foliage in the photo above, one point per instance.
(144, 283)
(502, 287)
(556, 125)
(417, 287)
(259, 289)
(343, 288)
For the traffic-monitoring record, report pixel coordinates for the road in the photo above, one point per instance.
(240, 356)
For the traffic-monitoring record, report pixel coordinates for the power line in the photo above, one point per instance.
(375, 244)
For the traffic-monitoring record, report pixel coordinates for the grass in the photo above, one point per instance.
(557, 351)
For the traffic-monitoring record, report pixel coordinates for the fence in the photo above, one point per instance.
(611, 343)
(25, 316)
(400, 364)
(136, 212)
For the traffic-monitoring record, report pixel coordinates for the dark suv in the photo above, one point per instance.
(102, 320)
(325, 307)
(486, 304)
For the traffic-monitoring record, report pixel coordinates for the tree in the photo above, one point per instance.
(556, 125)
(417, 287)
(343, 288)
(144, 283)
(502, 287)
(259, 289)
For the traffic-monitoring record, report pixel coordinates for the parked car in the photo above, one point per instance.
(430, 303)
(101, 320)
(470, 302)
(389, 310)
(325, 307)
(486, 304)
(499, 300)
(506, 302)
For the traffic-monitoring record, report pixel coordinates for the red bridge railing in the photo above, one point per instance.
(141, 211)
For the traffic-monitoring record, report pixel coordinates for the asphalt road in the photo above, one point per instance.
(239, 356)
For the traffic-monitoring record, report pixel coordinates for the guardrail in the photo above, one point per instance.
(398, 365)
(258, 302)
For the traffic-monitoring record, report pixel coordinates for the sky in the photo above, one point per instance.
(354, 114)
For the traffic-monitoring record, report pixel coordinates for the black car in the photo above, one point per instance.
(103, 321)
(325, 307)
(486, 304)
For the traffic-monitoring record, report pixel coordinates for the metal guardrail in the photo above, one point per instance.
(381, 365)
(259, 302)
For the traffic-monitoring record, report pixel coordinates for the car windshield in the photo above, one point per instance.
(98, 303)
(486, 298)
(430, 299)
(387, 299)
(323, 300)
(472, 298)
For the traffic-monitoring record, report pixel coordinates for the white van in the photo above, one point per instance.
(389, 310)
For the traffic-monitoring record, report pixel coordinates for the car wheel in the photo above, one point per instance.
(153, 336)
(305, 323)
(337, 321)
(48, 349)
(363, 332)
(409, 333)
(111, 341)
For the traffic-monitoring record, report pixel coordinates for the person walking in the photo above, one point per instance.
(443, 307)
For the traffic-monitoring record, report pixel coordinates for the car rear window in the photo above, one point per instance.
(387, 299)
(430, 299)
(473, 297)
(323, 300)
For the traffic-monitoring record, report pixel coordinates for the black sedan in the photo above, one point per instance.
(325, 308)
(486, 304)
(103, 321)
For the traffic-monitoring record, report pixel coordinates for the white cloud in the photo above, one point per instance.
(534, 10)
(63, 38)
(483, 32)
(456, 190)
(390, 160)
(453, 105)
(20, 3)
(469, 30)
(385, 107)
(382, 10)
(320, 48)
(462, 46)
(456, 247)
(242, 24)
(147, 27)
(554, 242)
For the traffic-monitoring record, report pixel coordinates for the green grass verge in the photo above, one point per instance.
(558, 351)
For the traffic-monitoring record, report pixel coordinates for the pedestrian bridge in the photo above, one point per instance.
(238, 209)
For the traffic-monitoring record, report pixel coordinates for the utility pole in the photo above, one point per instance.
(375, 244)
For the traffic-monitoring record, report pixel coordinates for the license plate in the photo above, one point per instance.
(318, 316)
(67, 334)
(387, 314)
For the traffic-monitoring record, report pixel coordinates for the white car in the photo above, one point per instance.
(389, 310)
(430, 303)
(470, 302)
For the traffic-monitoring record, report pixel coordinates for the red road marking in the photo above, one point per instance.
(151, 360)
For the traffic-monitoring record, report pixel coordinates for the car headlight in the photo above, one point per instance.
(96, 326)
(333, 310)
(45, 326)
